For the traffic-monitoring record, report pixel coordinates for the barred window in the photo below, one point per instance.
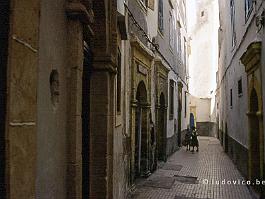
(233, 30)
(239, 86)
(171, 99)
(160, 16)
(171, 35)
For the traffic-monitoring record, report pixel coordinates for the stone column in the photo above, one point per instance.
(78, 15)
(74, 109)
(133, 117)
(101, 149)
(21, 117)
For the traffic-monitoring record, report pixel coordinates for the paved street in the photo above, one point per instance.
(176, 179)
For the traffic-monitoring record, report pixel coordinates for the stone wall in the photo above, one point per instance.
(21, 120)
(239, 154)
(172, 145)
(206, 129)
(51, 136)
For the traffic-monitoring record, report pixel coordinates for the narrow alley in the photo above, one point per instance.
(99, 99)
(210, 173)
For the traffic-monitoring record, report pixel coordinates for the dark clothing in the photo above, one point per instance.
(194, 138)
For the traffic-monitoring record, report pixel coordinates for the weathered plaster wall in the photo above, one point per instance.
(202, 107)
(51, 137)
(120, 142)
(231, 70)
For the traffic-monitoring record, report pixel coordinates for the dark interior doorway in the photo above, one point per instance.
(255, 136)
(4, 31)
(86, 120)
(141, 135)
(161, 130)
(179, 115)
(226, 138)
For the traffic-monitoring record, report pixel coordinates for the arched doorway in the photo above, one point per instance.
(141, 131)
(254, 136)
(161, 137)
(192, 120)
(4, 31)
(87, 65)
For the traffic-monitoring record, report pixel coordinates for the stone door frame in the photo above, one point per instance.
(141, 65)
(161, 88)
(252, 61)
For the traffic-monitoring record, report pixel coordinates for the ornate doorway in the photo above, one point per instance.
(252, 61)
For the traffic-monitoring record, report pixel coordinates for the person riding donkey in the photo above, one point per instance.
(194, 139)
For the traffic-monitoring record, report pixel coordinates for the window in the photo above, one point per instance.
(239, 87)
(185, 111)
(171, 99)
(171, 36)
(202, 13)
(118, 84)
(231, 98)
(160, 16)
(232, 12)
(185, 56)
(179, 43)
(248, 8)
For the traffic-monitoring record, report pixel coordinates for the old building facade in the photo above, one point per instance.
(93, 94)
(240, 91)
(62, 65)
(156, 86)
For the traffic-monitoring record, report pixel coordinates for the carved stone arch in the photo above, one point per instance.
(141, 93)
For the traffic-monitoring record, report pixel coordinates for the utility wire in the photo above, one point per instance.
(152, 43)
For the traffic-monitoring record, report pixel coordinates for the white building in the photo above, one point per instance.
(203, 60)
(240, 83)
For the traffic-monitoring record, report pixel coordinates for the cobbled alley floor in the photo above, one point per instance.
(186, 175)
